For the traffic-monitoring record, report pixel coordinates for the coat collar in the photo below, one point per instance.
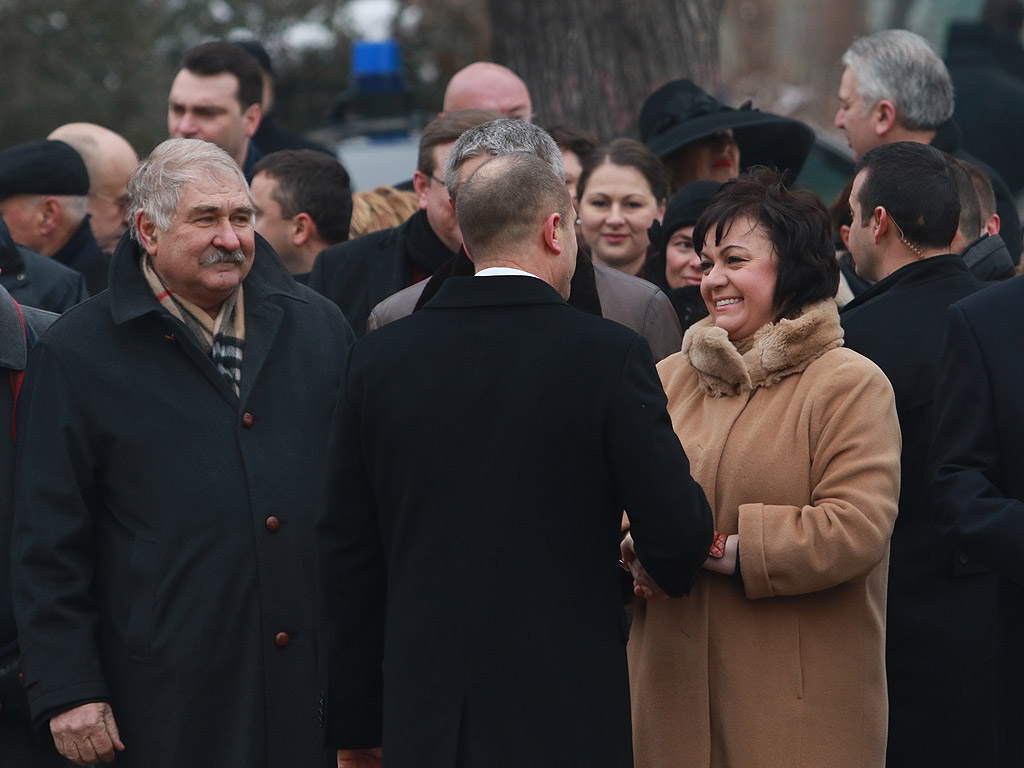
(777, 350)
(13, 349)
(910, 276)
(493, 292)
(988, 258)
(81, 249)
(130, 296)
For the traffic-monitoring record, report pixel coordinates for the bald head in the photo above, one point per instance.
(110, 160)
(485, 85)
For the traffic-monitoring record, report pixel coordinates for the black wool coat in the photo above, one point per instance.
(17, 748)
(468, 549)
(977, 482)
(940, 620)
(359, 274)
(164, 526)
(36, 281)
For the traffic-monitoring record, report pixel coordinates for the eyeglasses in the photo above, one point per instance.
(439, 181)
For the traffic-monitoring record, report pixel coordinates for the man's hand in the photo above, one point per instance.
(360, 758)
(87, 734)
(643, 585)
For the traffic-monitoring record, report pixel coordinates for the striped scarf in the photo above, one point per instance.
(222, 338)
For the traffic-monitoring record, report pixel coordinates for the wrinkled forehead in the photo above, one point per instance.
(215, 190)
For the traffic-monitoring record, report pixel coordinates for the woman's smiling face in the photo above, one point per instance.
(738, 285)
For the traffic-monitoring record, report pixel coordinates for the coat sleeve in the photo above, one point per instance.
(352, 580)
(661, 326)
(843, 533)
(669, 517)
(964, 491)
(54, 552)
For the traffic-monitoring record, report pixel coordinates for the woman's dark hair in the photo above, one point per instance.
(631, 153)
(580, 143)
(795, 220)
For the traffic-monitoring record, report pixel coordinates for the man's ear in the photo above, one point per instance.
(420, 180)
(844, 234)
(992, 225)
(885, 117)
(50, 213)
(552, 233)
(147, 232)
(252, 116)
(882, 222)
(303, 228)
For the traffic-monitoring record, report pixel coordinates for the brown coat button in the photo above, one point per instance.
(281, 639)
(273, 523)
(247, 420)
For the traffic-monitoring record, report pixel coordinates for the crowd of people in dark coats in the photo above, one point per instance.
(271, 496)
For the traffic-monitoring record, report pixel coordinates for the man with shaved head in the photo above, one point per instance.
(557, 422)
(110, 160)
(485, 85)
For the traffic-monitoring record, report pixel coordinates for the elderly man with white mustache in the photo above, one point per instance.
(175, 429)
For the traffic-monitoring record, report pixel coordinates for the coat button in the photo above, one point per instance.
(281, 639)
(273, 523)
(247, 420)
(21, 678)
(964, 559)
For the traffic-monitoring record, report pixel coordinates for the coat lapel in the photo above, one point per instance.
(262, 323)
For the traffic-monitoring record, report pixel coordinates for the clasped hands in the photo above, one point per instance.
(643, 584)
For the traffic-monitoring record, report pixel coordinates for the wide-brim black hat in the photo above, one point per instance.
(680, 113)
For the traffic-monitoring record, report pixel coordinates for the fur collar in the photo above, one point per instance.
(775, 351)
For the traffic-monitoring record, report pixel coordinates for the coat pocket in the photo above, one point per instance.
(142, 596)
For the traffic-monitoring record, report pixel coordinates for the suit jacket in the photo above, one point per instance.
(941, 612)
(468, 550)
(977, 486)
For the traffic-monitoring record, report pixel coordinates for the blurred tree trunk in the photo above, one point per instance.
(590, 64)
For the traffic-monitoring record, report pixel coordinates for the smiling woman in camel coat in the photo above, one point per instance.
(795, 441)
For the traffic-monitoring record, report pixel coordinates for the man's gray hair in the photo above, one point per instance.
(75, 207)
(501, 137)
(901, 67)
(155, 185)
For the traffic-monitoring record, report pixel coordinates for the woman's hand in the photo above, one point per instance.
(726, 564)
(643, 585)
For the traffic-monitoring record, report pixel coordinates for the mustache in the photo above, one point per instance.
(220, 256)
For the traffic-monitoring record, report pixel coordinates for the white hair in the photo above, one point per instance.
(155, 185)
(74, 206)
(501, 137)
(901, 67)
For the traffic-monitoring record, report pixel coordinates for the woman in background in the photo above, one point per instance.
(620, 192)
(674, 264)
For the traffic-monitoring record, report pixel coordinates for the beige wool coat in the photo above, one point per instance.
(797, 447)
